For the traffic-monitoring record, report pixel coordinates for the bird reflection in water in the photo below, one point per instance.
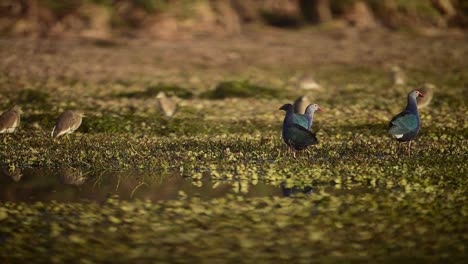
(14, 173)
(290, 191)
(72, 176)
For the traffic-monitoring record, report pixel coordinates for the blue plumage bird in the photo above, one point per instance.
(405, 126)
(307, 118)
(295, 136)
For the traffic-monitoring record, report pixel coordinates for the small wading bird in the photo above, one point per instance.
(67, 123)
(10, 120)
(72, 176)
(307, 82)
(166, 104)
(398, 76)
(307, 118)
(14, 173)
(428, 90)
(301, 104)
(404, 127)
(294, 135)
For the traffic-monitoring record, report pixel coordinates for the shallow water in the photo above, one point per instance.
(71, 184)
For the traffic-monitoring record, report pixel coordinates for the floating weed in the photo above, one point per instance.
(257, 228)
(359, 160)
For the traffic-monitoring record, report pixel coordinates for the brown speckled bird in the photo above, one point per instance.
(301, 104)
(428, 90)
(67, 123)
(398, 76)
(10, 120)
(72, 176)
(167, 105)
(307, 82)
(14, 173)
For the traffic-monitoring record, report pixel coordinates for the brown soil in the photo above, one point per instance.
(212, 59)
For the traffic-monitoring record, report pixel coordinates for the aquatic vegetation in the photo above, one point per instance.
(243, 89)
(385, 227)
(353, 197)
(32, 96)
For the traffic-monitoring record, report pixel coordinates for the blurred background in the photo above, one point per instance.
(182, 19)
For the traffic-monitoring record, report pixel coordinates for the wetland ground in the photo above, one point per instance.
(361, 202)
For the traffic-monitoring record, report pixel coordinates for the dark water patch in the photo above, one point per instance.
(76, 185)
(288, 191)
(71, 184)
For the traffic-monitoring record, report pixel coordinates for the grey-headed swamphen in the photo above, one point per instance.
(307, 118)
(404, 127)
(295, 136)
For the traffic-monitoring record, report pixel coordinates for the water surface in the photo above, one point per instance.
(72, 184)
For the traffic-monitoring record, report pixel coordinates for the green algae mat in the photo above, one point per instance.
(382, 227)
(96, 196)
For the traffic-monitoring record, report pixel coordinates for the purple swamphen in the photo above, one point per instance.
(295, 136)
(404, 127)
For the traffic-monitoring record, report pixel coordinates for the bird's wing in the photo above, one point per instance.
(63, 124)
(7, 120)
(403, 123)
(300, 137)
(301, 120)
(75, 123)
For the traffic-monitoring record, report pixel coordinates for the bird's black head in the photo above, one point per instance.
(287, 107)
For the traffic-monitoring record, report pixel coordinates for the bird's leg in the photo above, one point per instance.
(398, 148)
(282, 150)
(294, 154)
(287, 149)
(409, 148)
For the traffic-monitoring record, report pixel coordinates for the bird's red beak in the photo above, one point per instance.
(320, 109)
(420, 94)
